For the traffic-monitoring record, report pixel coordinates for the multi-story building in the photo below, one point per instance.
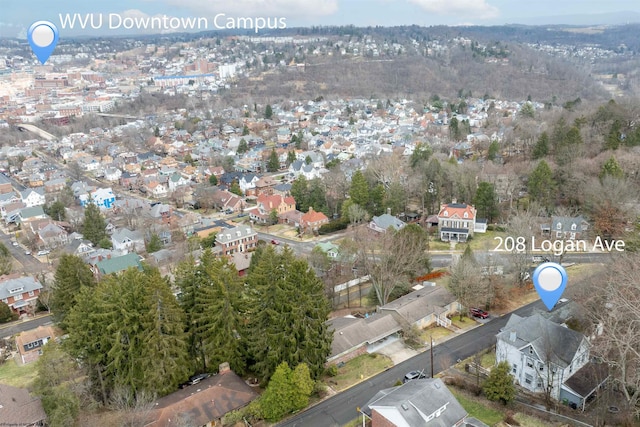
(20, 293)
(238, 239)
(456, 222)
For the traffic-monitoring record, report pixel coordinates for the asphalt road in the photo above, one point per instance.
(17, 327)
(342, 407)
(29, 262)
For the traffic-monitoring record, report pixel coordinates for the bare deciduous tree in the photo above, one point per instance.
(392, 258)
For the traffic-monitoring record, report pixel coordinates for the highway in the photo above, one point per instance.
(342, 407)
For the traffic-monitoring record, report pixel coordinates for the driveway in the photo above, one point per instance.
(397, 351)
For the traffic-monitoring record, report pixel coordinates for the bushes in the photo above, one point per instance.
(333, 226)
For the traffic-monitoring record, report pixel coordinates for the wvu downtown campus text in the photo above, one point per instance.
(558, 247)
(117, 21)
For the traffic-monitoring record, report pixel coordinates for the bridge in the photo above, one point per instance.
(36, 130)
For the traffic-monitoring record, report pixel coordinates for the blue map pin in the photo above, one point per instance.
(43, 38)
(550, 279)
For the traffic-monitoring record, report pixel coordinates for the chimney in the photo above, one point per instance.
(454, 200)
(512, 336)
(388, 211)
(224, 368)
(310, 209)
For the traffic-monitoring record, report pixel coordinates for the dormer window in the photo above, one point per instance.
(446, 213)
(573, 226)
(466, 215)
(558, 226)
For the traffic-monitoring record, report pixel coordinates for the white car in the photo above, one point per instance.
(42, 253)
(15, 243)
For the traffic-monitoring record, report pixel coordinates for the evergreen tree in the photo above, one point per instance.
(56, 210)
(130, 332)
(273, 164)
(420, 155)
(541, 148)
(611, 168)
(93, 226)
(287, 392)
(317, 197)
(245, 130)
(216, 314)
(235, 188)
(300, 192)
(494, 150)
(541, 186)
(486, 201)
(614, 138)
(287, 311)
(276, 402)
(6, 314)
(243, 147)
(268, 112)
(454, 129)
(154, 244)
(499, 384)
(71, 276)
(213, 180)
(291, 157)
(359, 190)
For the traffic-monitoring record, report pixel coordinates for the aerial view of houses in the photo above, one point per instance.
(221, 228)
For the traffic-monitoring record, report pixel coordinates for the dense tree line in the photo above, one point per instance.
(133, 337)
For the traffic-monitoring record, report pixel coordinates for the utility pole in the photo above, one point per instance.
(431, 351)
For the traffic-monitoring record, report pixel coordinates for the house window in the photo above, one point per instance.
(528, 379)
(539, 385)
(573, 236)
(31, 293)
(17, 297)
(559, 226)
(530, 350)
(559, 234)
(541, 367)
(515, 368)
(529, 363)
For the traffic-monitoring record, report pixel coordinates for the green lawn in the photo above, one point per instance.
(17, 376)
(488, 360)
(485, 241)
(358, 369)
(478, 409)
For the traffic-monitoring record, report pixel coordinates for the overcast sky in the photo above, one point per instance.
(16, 16)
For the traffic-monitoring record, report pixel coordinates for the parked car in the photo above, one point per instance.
(414, 375)
(43, 253)
(477, 312)
(15, 243)
(27, 252)
(275, 242)
(195, 379)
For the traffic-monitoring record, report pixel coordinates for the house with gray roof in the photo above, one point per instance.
(568, 228)
(20, 293)
(19, 408)
(545, 355)
(383, 222)
(417, 403)
(126, 240)
(424, 307)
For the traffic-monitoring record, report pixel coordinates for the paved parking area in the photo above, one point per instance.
(397, 351)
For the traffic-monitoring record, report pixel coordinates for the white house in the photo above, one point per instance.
(125, 240)
(544, 355)
(33, 197)
(176, 180)
(248, 182)
(112, 174)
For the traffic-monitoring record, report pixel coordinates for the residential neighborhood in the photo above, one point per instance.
(245, 229)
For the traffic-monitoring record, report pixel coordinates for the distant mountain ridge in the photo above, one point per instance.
(610, 18)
